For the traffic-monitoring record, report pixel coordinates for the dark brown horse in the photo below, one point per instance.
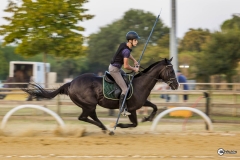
(86, 91)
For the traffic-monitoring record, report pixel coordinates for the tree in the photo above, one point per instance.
(194, 39)
(68, 67)
(190, 48)
(44, 26)
(3, 66)
(200, 67)
(221, 54)
(231, 24)
(103, 45)
(6, 55)
(142, 22)
(188, 58)
(154, 52)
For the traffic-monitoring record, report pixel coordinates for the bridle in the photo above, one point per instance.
(169, 81)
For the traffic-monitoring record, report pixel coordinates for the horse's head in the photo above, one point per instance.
(167, 74)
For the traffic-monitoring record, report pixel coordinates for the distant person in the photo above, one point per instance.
(183, 79)
(121, 58)
(164, 87)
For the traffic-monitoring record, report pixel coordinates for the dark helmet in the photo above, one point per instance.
(132, 35)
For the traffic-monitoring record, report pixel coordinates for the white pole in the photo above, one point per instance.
(173, 38)
(173, 43)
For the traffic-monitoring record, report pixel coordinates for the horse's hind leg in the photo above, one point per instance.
(151, 116)
(132, 118)
(92, 114)
(95, 118)
(88, 110)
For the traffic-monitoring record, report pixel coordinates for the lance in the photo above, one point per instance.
(129, 85)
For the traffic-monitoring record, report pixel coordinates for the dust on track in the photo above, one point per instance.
(86, 142)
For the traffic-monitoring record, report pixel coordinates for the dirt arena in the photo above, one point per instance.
(22, 140)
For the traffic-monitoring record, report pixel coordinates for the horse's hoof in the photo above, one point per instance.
(111, 133)
(144, 119)
(104, 131)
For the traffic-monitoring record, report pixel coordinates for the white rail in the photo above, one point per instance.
(56, 116)
(203, 115)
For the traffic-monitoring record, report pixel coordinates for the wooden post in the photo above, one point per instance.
(207, 109)
(234, 110)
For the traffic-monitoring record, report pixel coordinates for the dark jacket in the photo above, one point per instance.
(118, 57)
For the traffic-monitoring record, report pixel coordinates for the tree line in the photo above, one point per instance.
(51, 31)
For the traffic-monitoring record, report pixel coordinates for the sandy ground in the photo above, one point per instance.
(48, 142)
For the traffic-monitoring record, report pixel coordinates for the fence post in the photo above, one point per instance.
(234, 110)
(207, 109)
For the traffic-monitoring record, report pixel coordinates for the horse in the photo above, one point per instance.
(86, 91)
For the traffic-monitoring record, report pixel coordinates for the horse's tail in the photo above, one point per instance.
(37, 91)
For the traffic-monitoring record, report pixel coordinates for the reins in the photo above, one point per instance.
(158, 79)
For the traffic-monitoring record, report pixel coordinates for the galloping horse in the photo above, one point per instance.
(86, 91)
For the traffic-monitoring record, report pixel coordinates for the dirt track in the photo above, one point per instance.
(125, 144)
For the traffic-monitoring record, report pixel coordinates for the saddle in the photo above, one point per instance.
(110, 88)
(110, 79)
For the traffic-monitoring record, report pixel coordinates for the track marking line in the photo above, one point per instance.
(113, 156)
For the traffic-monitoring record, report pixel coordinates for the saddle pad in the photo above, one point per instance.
(109, 88)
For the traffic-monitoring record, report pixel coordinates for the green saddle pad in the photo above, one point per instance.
(109, 89)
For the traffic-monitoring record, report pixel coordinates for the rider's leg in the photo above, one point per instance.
(124, 111)
(116, 74)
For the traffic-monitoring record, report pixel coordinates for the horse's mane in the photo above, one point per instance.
(148, 68)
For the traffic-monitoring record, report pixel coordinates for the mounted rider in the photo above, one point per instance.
(120, 58)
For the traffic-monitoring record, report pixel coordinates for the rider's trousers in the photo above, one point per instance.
(116, 74)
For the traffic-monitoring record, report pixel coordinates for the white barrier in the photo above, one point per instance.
(56, 116)
(203, 115)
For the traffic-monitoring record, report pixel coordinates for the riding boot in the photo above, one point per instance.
(124, 111)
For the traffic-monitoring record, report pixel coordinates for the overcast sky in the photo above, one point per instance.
(207, 14)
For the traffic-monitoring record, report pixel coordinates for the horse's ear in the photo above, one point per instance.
(166, 60)
(171, 59)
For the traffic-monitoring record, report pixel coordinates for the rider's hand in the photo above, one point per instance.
(136, 68)
(136, 63)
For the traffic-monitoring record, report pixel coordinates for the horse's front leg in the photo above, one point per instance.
(151, 116)
(132, 118)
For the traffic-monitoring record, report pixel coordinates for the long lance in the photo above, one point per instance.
(129, 85)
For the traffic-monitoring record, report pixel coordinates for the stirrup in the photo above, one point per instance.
(125, 113)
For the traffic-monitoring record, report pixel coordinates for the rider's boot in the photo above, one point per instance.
(124, 111)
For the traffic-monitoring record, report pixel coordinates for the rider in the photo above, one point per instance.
(120, 58)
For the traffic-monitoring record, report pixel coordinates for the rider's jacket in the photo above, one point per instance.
(118, 57)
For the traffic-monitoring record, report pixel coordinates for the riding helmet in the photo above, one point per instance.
(132, 35)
